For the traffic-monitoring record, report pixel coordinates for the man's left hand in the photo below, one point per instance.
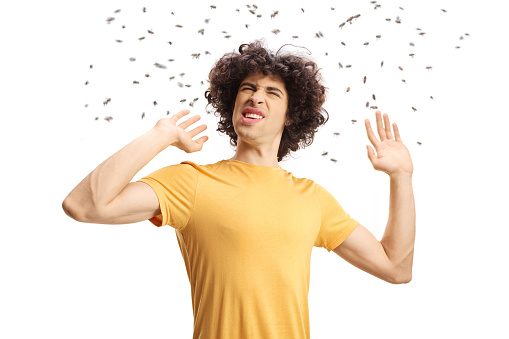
(392, 157)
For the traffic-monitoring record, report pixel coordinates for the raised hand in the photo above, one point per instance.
(179, 136)
(392, 157)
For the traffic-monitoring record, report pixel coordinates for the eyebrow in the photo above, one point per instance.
(267, 88)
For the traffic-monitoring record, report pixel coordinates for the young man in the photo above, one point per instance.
(245, 226)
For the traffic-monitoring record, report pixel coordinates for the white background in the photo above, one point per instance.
(63, 279)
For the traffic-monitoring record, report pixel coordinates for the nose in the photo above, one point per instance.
(256, 98)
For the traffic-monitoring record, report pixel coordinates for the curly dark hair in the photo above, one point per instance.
(301, 77)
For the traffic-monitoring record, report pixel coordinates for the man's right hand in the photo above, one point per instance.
(178, 135)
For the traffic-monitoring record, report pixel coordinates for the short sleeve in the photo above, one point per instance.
(336, 224)
(175, 187)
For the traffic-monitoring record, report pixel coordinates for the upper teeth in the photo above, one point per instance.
(254, 116)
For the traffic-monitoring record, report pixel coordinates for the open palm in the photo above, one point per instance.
(391, 155)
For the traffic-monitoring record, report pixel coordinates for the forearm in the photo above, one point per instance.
(108, 179)
(399, 237)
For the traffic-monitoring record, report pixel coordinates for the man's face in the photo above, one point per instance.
(260, 109)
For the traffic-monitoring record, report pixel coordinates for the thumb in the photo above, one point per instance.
(371, 154)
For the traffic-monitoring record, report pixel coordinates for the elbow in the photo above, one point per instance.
(400, 278)
(74, 211)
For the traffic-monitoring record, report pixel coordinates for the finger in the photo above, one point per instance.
(380, 126)
(189, 122)
(202, 140)
(371, 135)
(388, 132)
(176, 117)
(192, 133)
(396, 132)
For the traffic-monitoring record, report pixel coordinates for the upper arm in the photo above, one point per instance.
(364, 251)
(136, 202)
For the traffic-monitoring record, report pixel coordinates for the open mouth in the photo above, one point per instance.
(252, 116)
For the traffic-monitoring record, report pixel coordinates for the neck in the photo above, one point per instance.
(256, 155)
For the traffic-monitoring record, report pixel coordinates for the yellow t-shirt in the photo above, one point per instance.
(246, 233)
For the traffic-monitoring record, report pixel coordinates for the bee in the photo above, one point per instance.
(238, 10)
(119, 41)
(195, 99)
(207, 52)
(191, 104)
(86, 82)
(276, 31)
(349, 20)
(404, 81)
(172, 13)
(324, 154)
(207, 21)
(428, 68)
(348, 89)
(179, 26)
(398, 21)
(201, 31)
(160, 66)
(366, 43)
(443, 10)
(252, 12)
(255, 7)
(412, 44)
(400, 68)
(183, 100)
(401, 8)
(332, 9)
(171, 60)
(415, 109)
(106, 101)
(182, 74)
(388, 19)
(195, 55)
(180, 84)
(336, 134)
(187, 85)
(136, 82)
(457, 47)
(342, 24)
(295, 36)
(382, 64)
(422, 33)
(374, 97)
(247, 25)
(302, 9)
(258, 16)
(109, 19)
(108, 118)
(340, 66)
(356, 16)
(411, 54)
(155, 103)
(131, 59)
(467, 34)
(141, 38)
(227, 36)
(86, 105)
(91, 66)
(348, 66)
(169, 42)
(172, 77)
(354, 121)
(431, 97)
(142, 115)
(378, 36)
(419, 143)
(167, 112)
(333, 160)
(378, 6)
(144, 9)
(342, 43)
(147, 75)
(151, 32)
(117, 11)
(212, 7)
(367, 104)
(123, 26)
(364, 79)
(374, 107)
